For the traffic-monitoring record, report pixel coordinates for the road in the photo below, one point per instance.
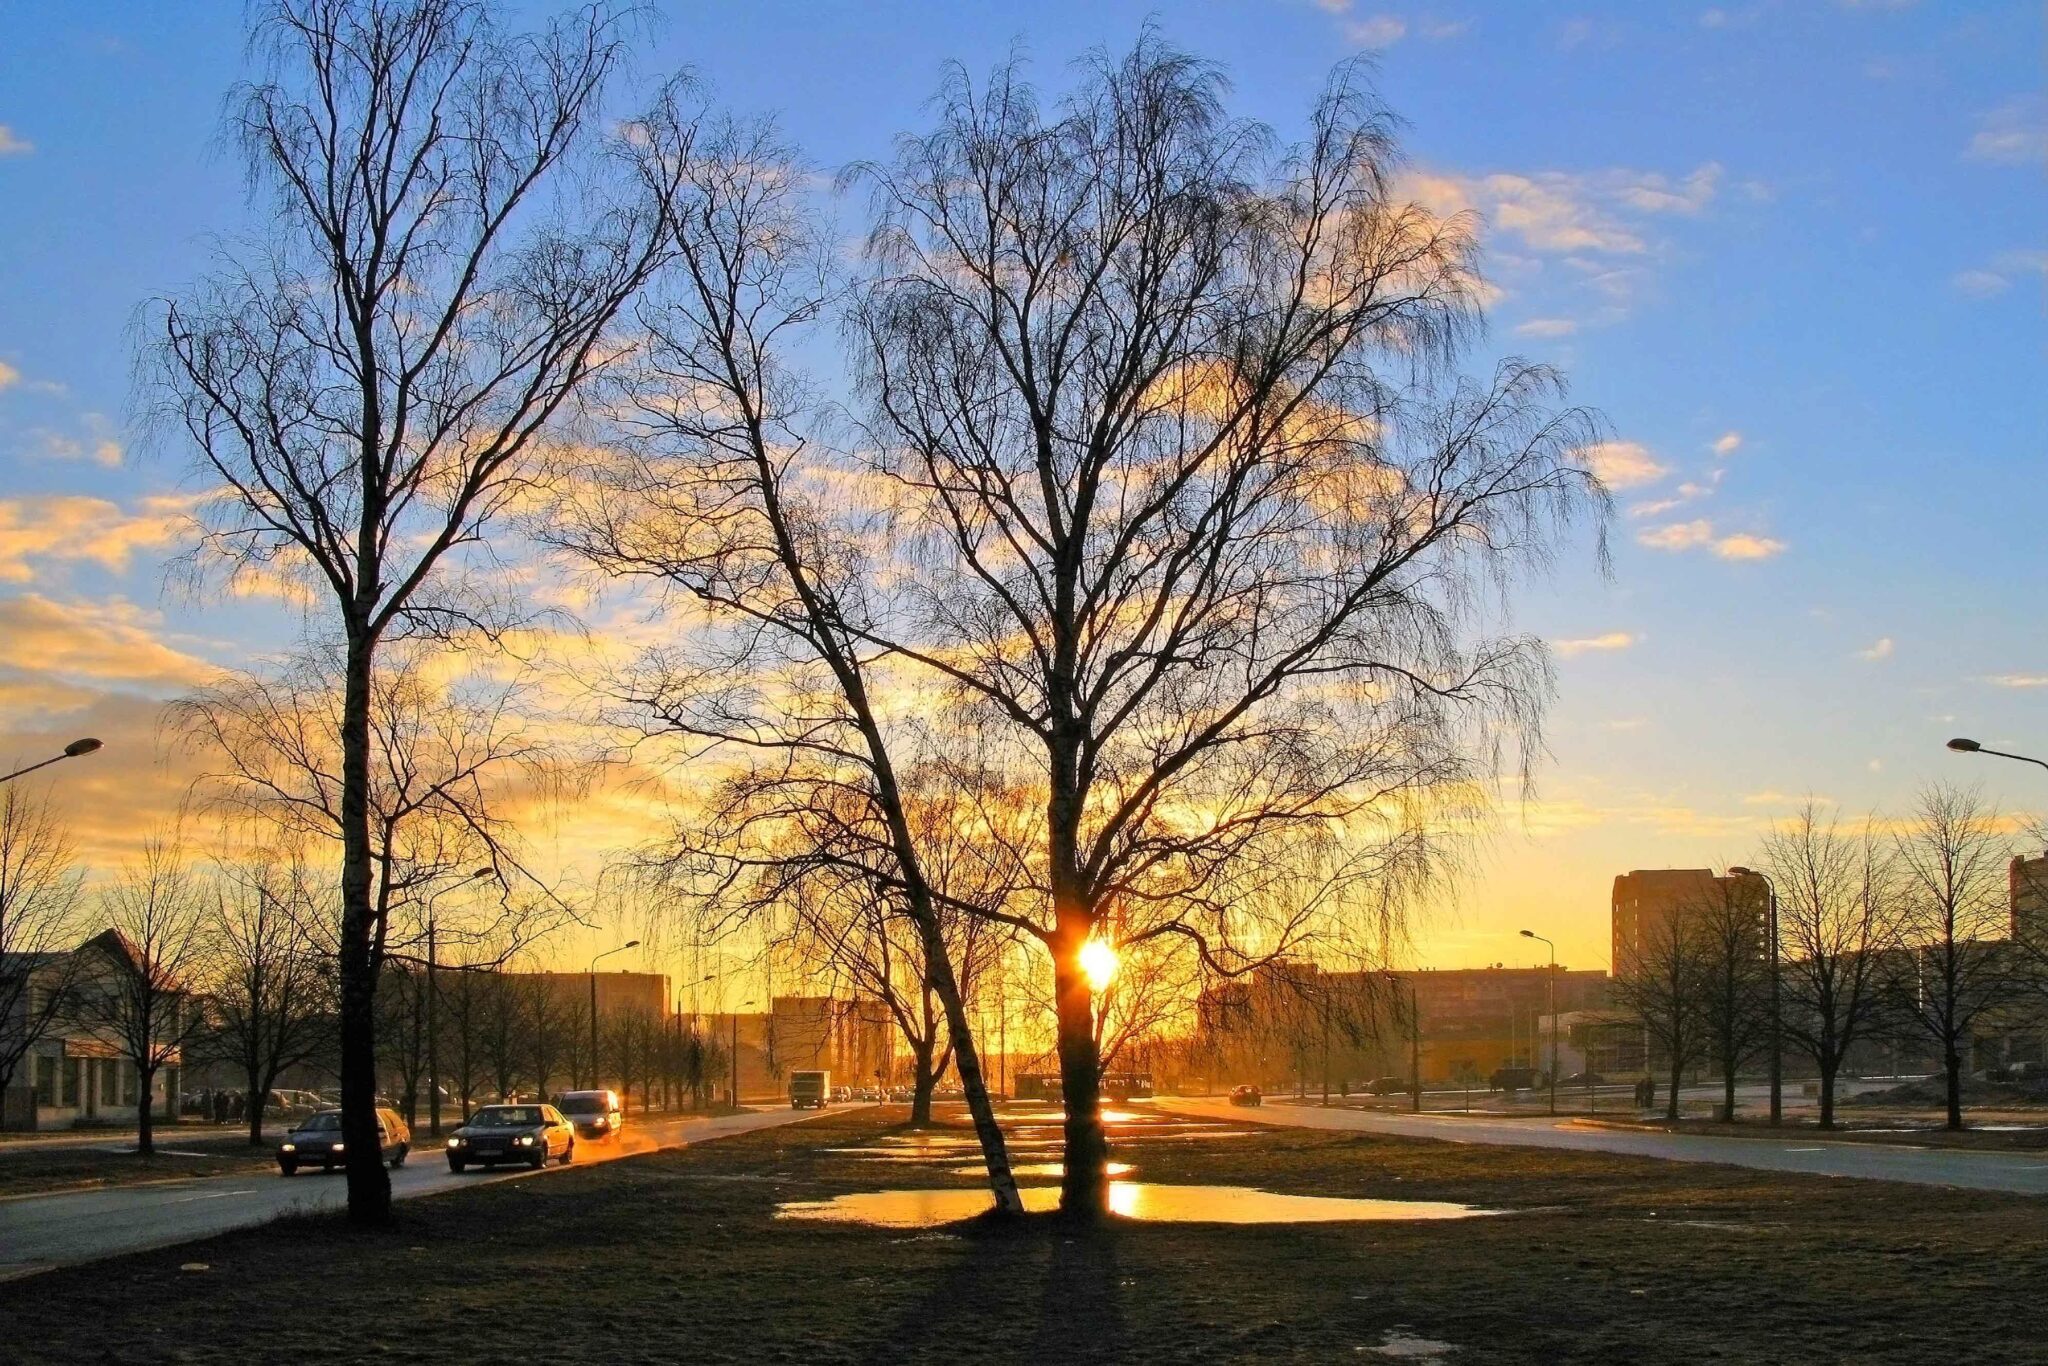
(2023, 1173)
(38, 1232)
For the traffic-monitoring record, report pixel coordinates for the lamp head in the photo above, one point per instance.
(1964, 746)
(78, 747)
(1528, 934)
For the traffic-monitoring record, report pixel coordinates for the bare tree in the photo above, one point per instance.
(1838, 923)
(402, 1027)
(1662, 982)
(1958, 969)
(140, 987)
(1732, 927)
(548, 1027)
(373, 384)
(269, 990)
(39, 898)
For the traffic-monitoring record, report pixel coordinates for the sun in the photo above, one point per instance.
(1098, 964)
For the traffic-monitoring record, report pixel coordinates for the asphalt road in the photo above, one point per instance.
(2022, 1173)
(38, 1232)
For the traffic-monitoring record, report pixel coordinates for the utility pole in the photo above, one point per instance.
(1551, 988)
(433, 1039)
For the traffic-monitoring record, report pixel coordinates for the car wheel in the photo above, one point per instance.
(569, 1153)
(398, 1158)
(539, 1159)
(288, 1168)
(456, 1165)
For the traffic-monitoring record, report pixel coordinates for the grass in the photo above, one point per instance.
(677, 1256)
(36, 1169)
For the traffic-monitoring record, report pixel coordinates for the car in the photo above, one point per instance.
(1246, 1095)
(315, 1141)
(533, 1134)
(1387, 1086)
(870, 1093)
(1513, 1078)
(1584, 1079)
(596, 1114)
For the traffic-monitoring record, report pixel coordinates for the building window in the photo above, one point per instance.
(46, 1081)
(128, 1078)
(71, 1082)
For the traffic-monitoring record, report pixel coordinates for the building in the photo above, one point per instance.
(852, 1039)
(1646, 899)
(77, 1071)
(644, 993)
(2027, 891)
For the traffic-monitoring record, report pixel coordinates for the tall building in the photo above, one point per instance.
(2027, 887)
(1646, 900)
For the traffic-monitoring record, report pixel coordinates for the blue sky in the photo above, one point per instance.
(1795, 251)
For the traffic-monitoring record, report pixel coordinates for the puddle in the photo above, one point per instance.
(1404, 1346)
(1133, 1200)
(1041, 1169)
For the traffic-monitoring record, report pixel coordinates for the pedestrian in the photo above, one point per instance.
(220, 1107)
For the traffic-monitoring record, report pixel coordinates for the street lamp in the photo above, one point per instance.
(629, 944)
(75, 749)
(1963, 746)
(1552, 997)
(1777, 1000)
(1414, 1041)
(733, 1059)
(433, 990)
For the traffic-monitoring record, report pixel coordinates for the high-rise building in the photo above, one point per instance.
(1646, 899)
(2027, 887)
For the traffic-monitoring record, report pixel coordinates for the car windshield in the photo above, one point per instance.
(582, 1105)
(329, 1120)
(506, 1116)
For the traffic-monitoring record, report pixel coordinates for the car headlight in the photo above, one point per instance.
(288, 1148)
(455, 1142)
(338, 1147)
(524, 1140)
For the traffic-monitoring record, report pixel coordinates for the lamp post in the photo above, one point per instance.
(707, 977)
(433, 990)
(1777, 1002)
(75, 749)
(1414, 1042)
(629, 944)
(1963, 746)
(1551, 998)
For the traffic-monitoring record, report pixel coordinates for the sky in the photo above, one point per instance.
(1796, 252)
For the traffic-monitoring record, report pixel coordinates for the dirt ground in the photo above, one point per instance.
(678, 1256)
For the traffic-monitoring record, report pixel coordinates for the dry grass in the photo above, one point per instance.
(677, 1256)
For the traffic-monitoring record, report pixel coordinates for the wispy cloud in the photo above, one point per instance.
(96, 442)
(12, 144)
(1612, 640)
(1378, 30)
(2017, 680)
(113, 641)
(1623, 464)
(1881, 648)
(9, 376)
(1699, 534)
(1982, 282)
(1727, 443)
(2013, 134)
(70, 527)
(1546, 327)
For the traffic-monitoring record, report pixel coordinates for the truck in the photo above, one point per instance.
(810, 1090)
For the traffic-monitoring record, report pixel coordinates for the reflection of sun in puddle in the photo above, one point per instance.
(1132, 1199)
(1042, 1169)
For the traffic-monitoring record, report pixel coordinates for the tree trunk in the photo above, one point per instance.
(967, 1058)
(1677, 1077)
(1827, 1094)
(1728, 1093)
(1954, 1063)
(256, 1111)
(369, 1185)
(921, 1089)
(1084, 1184)
(145, 1121)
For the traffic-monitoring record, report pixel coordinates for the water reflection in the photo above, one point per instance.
(1040, 1169)
(1132, 1199)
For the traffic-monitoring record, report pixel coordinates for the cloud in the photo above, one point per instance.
(1727, 443)
(73, 527)
(1612, 640)
(111, 641)
(1546, 327)
(2016, 680)
(97, 443)
(1381, 30)
(1652, 193)
(9, 376)
(1743, 546)
(12, 144)
(1985, 281)
(1677, 535)
(1622, 464)
(1880, 649)
(1699, 533)
(2013, 134)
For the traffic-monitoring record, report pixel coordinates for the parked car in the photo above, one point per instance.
(1584, 1079)
(871, 1093)
(1246, 1095)
(596, 1114)
(1387, 1086)
(533, 1134)
(315, 1141)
